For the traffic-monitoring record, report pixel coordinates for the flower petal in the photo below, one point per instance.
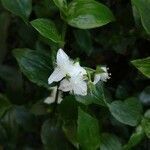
(49, 100)
(65, 85)
(80, 88)
(78, 70)
(62, 57)
(57, 75)
(60, 97)
(96, 78)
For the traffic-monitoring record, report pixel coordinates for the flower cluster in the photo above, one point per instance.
(72, 76)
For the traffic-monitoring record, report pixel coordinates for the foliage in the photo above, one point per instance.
(114, 115)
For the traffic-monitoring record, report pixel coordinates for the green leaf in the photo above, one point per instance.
(61, 4)
(135, 138)
(70, 131)
(127, 112)
(47, 29)
(18, 117)
(52, 136)
(143, 65)
(88, 131)
(34, 64)
(88, 14)
(68, 108)
(4, 105)
(110, 142)
(145, 96)
(146, 123)
(143, 9)
(21, 8)
(96, 95)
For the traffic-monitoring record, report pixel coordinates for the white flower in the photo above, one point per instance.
(101, 76)
(65, 66)
(75, 81)
(75, 84)
(51, 99)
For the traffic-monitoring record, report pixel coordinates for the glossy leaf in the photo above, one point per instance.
(143, 10)
(127, 112)
(143, 65)
(47, 29)
(20, 8)
(35, 65)
(88, 131)
(96, 16)
(61, 4)
(52, 136)
(135, 138)
(146, 123)
(110, 142)
(145, 96)
(95, 95)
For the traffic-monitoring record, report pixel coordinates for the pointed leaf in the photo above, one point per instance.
(35, 65)
(143, 7)
(143, 65)
(96, 16)
(21, 8)
(128, 112)
(88, 131)
(47, 29)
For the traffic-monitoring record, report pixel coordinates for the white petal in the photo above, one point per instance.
(96, 78)
(65, 85)
(62, 57)
(57, 75)
(54, 91)
(78, 70)
(49, 100)
(79, 85)
(80, 89)
(52, 97)
(59, 97)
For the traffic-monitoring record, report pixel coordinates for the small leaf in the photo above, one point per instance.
(96, 95)
(61, 4)
(88, 131)
(4, 105)
(47, 29)
(21, 8)
(143, 9)
(145, 96)
(127, 112)
(35, 65)
(146, 123)
(88, 14)
(16, 117)
(52, 136)
(110, 142)
(143, 65)
(135, 138)
(70, 131)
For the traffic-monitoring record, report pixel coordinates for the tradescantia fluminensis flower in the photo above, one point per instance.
(74, 78)
(102, 76)
(72, 73)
